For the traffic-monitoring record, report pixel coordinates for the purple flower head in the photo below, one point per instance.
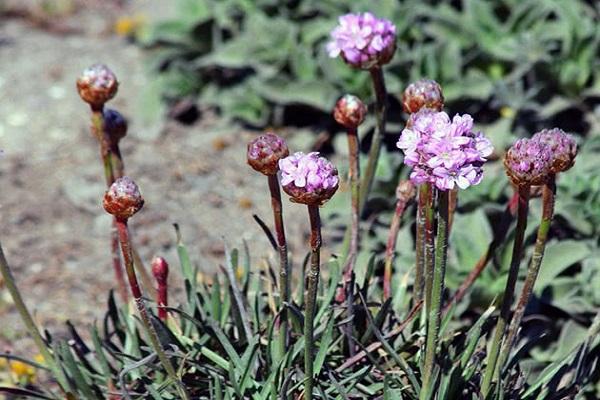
(97, 85)
(424, 93)
(563, 147)
(363, 40)
(528, 162)
(444, 152)
(308, 178)
(265, 151)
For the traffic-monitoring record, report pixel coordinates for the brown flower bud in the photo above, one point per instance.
(123, 198)
(160, 270)
(349, 111)
(115, 125)
(424, 93)
(265, 151)
(97, 85)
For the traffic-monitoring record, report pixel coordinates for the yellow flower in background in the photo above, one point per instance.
(507, 112)
(129, 26)
(22, 372)
(38, 358)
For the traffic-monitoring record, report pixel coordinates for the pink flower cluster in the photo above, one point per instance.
(308, 171)
(444, 152)
(363, 40)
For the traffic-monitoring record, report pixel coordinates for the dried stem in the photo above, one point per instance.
(513, 274)
(311, 299)
(548, 197)
(437, 290)
(141, 307)
(284, 272)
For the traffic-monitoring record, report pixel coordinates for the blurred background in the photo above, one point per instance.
(199, 78)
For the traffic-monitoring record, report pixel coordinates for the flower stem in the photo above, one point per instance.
(424, 199)
(141, 307)
(380, 108)
(548, 197)
(162, 301)
(354, 176)
(107, 162)
(401, 204)
(513, 273)
(284, 273)
(26, 317)
(505, 220)
(428, 245)
(437, 289)
(311, 299)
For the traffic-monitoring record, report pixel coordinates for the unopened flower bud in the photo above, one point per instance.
(424, 93)
(123, 198)
(405, 191)
(349, 111)
(528, 162)
(308, 178)
(160, 270)
(265, 151)
(115, 125)
(97, 85)
(563, 148)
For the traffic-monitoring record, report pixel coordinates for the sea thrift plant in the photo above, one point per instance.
(528, 162)
(97, 85)
(424, 93)
(308, 178)
(444, 152)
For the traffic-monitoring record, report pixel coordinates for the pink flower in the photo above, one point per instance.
(444, 152)
(363, 40)
(308, 178)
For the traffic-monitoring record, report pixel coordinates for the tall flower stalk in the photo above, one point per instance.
(311, 180)
(527, 164)
(264, 154)
(563, 150)
(123, 200)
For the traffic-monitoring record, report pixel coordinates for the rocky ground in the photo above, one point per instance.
(52, 227)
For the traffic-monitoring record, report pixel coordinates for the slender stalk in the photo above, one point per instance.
(107, 162)
(424, 195)
(311, 299)
(429, 251)
(354, 176)
(162, 301)
(548, 197)
(26, 317)
(284, 273)
(401, 203)
(513, 273)
(141, 307)
(437, 289)
(380, 108)
(507, 216)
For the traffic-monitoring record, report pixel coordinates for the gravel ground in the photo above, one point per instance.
(53, 229)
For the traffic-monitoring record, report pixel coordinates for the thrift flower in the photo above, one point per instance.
(265, 151)
(123, 198)
(363, 40)
(97, 85)
(115, 125)
(424, 93)
(562, 146)
(349, 111)
(308, 178)
(444, 152)
(528, 162)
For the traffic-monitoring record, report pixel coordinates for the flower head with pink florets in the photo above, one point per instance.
(308, 178)
(444, 152)
(363, 40)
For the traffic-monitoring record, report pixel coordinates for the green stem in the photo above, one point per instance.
(354, 176)
(437, 289)
(513, 273)
(141, 307)
(548, 196)
(428, 245)
(420, 242)
(284, 273)
(26, 317)
(311, 299)
(380, 107)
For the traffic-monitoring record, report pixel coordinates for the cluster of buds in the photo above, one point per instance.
(444, 152)
(97, 85)
(534, 161)
(349, 111)
(123, 199)
(264, 153)
(308, 178)
(363, 40)
(424, 93)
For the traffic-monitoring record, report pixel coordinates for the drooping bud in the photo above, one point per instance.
(308, 179)
(528, 162)
(563, 148)
(265, 151)
(349, 111)
(363, 40)
(97, 85)
(123, 198)
(424, 93)
(115, 125)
